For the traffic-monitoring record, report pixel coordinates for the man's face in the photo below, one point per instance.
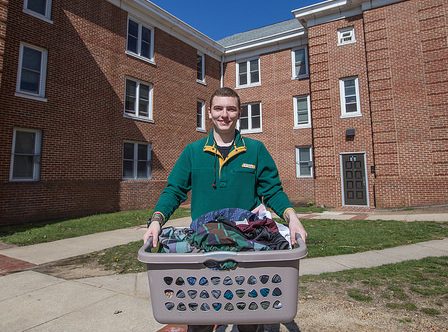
(224, 113)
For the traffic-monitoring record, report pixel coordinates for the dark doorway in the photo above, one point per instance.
(354, 177)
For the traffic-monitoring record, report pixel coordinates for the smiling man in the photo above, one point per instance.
(224, 170)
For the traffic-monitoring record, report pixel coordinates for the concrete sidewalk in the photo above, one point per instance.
(32, 301)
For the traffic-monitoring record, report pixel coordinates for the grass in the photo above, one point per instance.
(358, 295)
(33, 233)
(309, 209)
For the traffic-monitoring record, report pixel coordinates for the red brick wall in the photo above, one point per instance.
(407, 55)
(276, 94)
(82, 122)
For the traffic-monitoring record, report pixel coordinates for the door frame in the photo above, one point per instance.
(341, 165)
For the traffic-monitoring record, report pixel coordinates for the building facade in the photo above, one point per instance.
(98, 99)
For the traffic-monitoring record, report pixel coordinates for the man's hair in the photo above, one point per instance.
(225, 92)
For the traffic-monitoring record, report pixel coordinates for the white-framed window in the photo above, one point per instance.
(248, 72)
(346, 36)
(138, 99)
(200, 115)
(304, 162)
(38, 8)
(25, 155)
(136, 160)
(200, 67)
(299, 58)
(349, 92)
(250, 119)
(302, 112)
(32, 70)
(140, 40)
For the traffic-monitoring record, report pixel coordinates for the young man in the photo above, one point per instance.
(224, 170)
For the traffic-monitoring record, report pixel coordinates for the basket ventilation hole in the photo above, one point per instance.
(193, 306)
(180, 281)
(168, 280)
(276, 279)
(192, 293)
(264, 278)
(216, 293)
(253, 306)
(203, 281)
(264, 292)
(239, 280)
(227, 281)
(240, 293)
(276, 292)
(180, 294)
(253, 293)
(277, 305)
(204, 295)
(215, 280)
(205, 307)
(217, 306)
(228, 294)
(229, 307)
(265, 304)
(241, 305)
(169, 305)
(181, 307)
(252, 280)
(191, 280)
(169, 293)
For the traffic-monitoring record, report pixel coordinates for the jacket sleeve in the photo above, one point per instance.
(269, 186)
(179, 184)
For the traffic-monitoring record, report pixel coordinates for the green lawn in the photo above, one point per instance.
(33, 233)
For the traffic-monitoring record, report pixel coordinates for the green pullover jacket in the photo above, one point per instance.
(241, 180)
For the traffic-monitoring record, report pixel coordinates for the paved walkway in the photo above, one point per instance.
(32, 301)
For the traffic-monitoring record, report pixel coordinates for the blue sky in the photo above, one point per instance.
(218, 19)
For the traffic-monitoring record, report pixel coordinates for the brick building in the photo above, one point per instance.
(98, 98)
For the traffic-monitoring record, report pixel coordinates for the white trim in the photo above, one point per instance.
(202, 55)
(152, 62)
(37, 154)
(344, 114)
(43, 71)
(251, 130)
(141, 25)
(341, 165)
(202, 127)
(46, 17)
(148, 118)
(340, 33)
(32, 97)
(249, 82)
(306, 125)
(294, 75)
(135, 161)
(310, 149)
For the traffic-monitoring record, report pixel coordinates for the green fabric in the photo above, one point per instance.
(235, 186)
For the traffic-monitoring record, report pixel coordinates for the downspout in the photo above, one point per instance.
(222, 72)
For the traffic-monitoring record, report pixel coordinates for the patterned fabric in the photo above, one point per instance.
(230, 214)
(174, 240)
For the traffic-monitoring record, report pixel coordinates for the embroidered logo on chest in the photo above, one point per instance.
(248, 166)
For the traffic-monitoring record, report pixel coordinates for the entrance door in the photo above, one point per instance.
(354, 174)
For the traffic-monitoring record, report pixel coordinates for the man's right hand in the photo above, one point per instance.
(152, 231)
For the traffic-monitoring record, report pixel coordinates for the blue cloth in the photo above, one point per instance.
(229, 214)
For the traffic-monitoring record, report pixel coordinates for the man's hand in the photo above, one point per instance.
(154, 231)
(295, 226)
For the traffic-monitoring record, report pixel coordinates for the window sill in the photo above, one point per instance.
(298, 78)
(134, 55)
(247, 86)
(201, 82)
(354, 115)
(305, 177)
(23, 180)
(30, 96)
(136, 180)
(37, 15)
(348, 43)
(130, 117)
(201, 130)
(307, 126)
(252, 131)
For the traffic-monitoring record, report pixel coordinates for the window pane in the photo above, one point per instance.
(256, 122)
(243, 67)
(23, 167)
(300, 62)
(145, 49)
(349, 83)
(302, 104)
(243, 123)
(30, 81)
(132, 36)
(350, 100)
(350, 91)
(146, 35)
(143, 108)
(142, 152)
(254, 72)
(243, 79)
(254, 65)
(350, 108)
(25, 142)
(305, 169)
(199, 114)
(37, 6)
(142, 169)
(128, 169)
(199, 67)
(144, 92)
(128, 152)
(255, 109)
(304, 155)
(131, 91)
(244, 111)
(31, 59)
(302, 117)
(254, 77)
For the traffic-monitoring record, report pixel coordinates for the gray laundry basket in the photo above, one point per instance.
(263, 288)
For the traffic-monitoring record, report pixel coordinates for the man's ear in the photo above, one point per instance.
(209, 111)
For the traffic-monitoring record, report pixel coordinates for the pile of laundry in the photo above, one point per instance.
(230, 229)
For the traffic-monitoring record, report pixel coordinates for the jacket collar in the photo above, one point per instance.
(238, 144)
